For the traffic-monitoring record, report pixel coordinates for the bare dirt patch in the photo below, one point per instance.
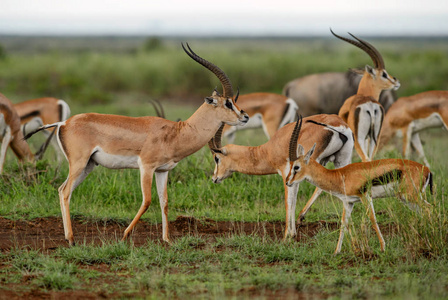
(48, 233)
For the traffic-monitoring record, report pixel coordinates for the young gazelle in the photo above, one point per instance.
(359, 181)
(38, 112)
(10, 133)
(362, 112)
(410, 115)
(334, 143)
(151, 144)
(267, 110)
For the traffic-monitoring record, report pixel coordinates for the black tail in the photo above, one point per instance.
(40, 129)
(431, 188)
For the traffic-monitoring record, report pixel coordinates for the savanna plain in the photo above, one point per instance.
(226, 238)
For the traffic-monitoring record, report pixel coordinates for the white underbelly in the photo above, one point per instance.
(113, 161)
(434, 120)
(382, 191)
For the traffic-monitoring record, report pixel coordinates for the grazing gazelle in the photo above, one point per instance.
(362, 112)
(410, 115)
(11, 134)
(38, 112)
(359, 181)
(151, 144)
(334, 143)
(267, 110)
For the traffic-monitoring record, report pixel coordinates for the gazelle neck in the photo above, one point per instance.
(327, 180)
(197, 130)
(249, 160)
(367, 87)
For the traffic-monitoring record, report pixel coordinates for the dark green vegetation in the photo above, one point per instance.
(415, 264)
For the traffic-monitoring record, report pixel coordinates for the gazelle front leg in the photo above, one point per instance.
(290, 205)
(346, 213)
(308, 205)
(146, 174)
(161, 182)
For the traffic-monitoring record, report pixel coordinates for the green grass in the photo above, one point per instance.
(414, 266)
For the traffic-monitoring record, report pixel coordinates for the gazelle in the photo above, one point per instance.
(267, 110)
(334, 143)
(151, 144)
(38, 112)
(11, 134)
(359, 181)
(324, 93)
(362, 112)
(410, 115)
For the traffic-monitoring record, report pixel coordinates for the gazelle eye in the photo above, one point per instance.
(296, 168)
(229, 104)
(384, 75)
(216, 160)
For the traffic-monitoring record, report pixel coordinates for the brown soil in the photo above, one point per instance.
(47, 234)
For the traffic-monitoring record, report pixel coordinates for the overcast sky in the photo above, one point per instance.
(228, 17)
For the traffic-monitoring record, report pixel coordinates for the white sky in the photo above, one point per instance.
(228, 17)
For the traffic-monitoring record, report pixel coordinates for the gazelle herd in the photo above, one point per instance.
(297, 149)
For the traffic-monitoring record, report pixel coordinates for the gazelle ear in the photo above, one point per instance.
(215, 93)
(309, 153)
(370, 70)
(300, 150)
(211, 100)
(357, 71)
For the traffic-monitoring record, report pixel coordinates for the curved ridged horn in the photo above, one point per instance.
(366, 47)
(215, 142)
(237, 94)
(225, 81)
(158, 108)
(294, 139)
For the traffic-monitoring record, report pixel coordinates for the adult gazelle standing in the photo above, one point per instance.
(410, 115)
(365, 180)
(334, 143)
(151, 144)
(362, 112)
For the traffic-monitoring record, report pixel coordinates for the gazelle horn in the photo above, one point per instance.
(223, 78)
(294, 139)
(366, 47)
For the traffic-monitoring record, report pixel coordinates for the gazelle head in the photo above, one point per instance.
(223, 164)
(378, 73)
(225, 104)
(297, 161)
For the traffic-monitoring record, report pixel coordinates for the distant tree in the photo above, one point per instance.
(152, 43)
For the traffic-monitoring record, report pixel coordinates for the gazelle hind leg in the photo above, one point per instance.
(146, 174)
(375, 226)
(346, 213)
(77, 173)
(5, 143)
(308, 205)
(161, 183)
(374, 140)
(416, 144)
